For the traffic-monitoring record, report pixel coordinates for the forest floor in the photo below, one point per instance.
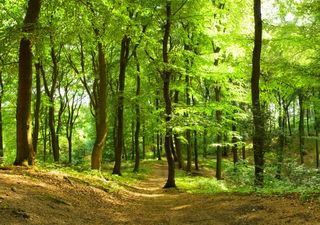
(33, 197)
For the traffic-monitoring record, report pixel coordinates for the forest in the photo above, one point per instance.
(201, 96)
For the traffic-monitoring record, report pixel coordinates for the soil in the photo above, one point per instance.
(30, 197)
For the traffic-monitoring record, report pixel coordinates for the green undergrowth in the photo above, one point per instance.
(296, 180)
(103, 179)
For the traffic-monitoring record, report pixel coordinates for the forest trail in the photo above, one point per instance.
(29, 197)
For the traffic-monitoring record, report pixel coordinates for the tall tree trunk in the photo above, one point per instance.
(35, 133)
(294, 114)
(281, 121)
(54, 135)
(45, 128)
(317, 142)
(166, 76)
(137, 109)
(143, 142)
(317, 128)
(159, 143)
(205, 145)
(195, 146)
(124, 55)
(288, 119)
(51, 95)
(219, 135)
(301, 128)
(317, 148)
(25, 150)
(101, 110)
(188, 132)
(132, 141)
(308, 121)
(176, 137)
(1, 121)
(73, 112)
(158, 146)
(258, 117)
(234, 144)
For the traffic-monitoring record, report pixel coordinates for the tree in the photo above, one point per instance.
(166, 76)
(258, 117)
(25, 151)
(124, 56)
(1, 120)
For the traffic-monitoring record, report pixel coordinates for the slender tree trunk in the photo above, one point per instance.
(205, 145)
(317, 144)
(195, 143)
(45, 128)
(157, 102)
(177, 139)
(166, 76)
(294, 114)
(101, 111)
(70, 147)
(243, 146)
(188, 132)
(137, 109)
(308, 121)
(143, 143)
(288, 119)
(234, 144)
(301, 128)
(25, 152)
(37, 107)
(54, 143)
(62, 107)
(133, 150)
(219, 135)
(317, 128)
(51, 95)
(258, 118)
(158, 146)
(1, 120)
(282, 120)
(124, 55)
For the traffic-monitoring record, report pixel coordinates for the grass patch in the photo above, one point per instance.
(103, 179)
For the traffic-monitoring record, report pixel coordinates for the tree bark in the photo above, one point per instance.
(176, 138)
(159, 143)
(35, 133)
(317, 128)
(124, 56)
(219, 135)
(301, 128)
(50, 93)
(1, 121)
(195, 143)
(25, 151)
(101, 110)
(234, 144)
(188, 132)
(137, 109)
(258, 118)
(166, 76)
(281, 121)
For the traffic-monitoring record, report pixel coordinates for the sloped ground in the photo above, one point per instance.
(29, 197)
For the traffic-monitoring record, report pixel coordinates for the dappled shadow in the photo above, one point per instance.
(47, 199)
(29, 197)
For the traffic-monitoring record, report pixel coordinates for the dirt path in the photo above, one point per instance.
(28, 197)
